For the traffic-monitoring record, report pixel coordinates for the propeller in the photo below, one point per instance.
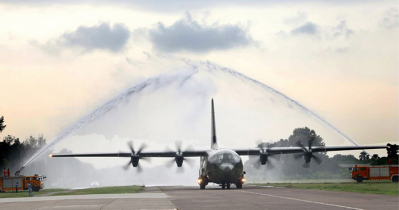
(307, 153)
(263, 158)
(135, 157)
(179, 157)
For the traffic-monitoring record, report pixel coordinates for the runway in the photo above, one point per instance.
(254, 197)
(181, 197)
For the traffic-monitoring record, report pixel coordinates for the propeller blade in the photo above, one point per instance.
(269, 165)
(147, 159)
(255, 162)
(143, 146)
(130, 144)
(170, 163)
(318, 160)
(178, 146)
(299, 144)
(190, 162)
(297, 156)
(306, 165)
(125, 167)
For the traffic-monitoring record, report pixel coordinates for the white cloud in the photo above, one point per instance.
(308, 28)
(189, 35)
(391, 18)
(88, 39)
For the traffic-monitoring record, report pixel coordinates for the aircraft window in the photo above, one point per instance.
(226, 157)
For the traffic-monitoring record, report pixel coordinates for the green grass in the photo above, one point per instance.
(373, 187)
(56, 192)
(21, 194)
(102, 190)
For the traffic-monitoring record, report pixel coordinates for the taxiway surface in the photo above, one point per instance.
(255, 197)
(180, 197)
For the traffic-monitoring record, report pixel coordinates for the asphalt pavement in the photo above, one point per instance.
(255, 197)
(213, 197)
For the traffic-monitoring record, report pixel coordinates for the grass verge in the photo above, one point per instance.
(25, 193)
(57, 192)
(381, 187)
(102, 190)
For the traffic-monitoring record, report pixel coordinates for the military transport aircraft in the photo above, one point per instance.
(224, 166)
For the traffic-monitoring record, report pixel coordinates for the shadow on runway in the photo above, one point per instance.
(209, 187)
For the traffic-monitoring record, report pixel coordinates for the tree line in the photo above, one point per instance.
(284, 167)
(13, 151)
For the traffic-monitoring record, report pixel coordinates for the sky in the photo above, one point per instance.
(59, 60)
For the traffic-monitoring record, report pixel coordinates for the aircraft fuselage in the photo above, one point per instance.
(222, 166)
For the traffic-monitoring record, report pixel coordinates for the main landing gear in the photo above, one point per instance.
(239, 185)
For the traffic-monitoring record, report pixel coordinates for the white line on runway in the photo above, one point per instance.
(296, 199)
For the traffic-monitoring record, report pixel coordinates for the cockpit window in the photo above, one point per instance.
(227, 157)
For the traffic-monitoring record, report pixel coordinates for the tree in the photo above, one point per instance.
(1, 124)
(303, 135)
(375, 157)
(364, 156)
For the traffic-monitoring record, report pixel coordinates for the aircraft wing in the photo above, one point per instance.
(191, 153)
(290, 150)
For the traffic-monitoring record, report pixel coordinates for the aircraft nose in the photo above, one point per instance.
(226, 167)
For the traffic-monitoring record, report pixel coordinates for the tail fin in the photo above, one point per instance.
(214, 143)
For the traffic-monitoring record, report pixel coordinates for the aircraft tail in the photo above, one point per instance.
(214, 143)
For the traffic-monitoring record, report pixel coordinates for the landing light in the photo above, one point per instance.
(199, 181)
(243, 180)
(50, 155)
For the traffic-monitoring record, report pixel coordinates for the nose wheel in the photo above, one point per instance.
(225, 185)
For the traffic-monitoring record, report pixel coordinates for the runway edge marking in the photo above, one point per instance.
(296, 199)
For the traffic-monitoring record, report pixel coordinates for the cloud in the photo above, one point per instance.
(391, 18)
(308, 28)
(100, 37)
(103, 37)
(299, 18)
(342, 30)
(189, 35)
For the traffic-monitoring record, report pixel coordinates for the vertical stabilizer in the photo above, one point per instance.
(214, 143)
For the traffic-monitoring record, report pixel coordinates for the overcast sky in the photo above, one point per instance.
(61, 59)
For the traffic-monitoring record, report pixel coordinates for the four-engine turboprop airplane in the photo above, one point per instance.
(224, 166)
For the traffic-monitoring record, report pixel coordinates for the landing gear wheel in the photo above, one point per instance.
(359, 179)
(239, 185)
(223, 186)
(228, 185)
(202, 186)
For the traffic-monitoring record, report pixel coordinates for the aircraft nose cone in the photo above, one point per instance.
(226, 167)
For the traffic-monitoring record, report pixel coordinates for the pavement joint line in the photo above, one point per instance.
(307, 201)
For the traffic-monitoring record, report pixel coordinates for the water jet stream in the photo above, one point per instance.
(167, 79)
